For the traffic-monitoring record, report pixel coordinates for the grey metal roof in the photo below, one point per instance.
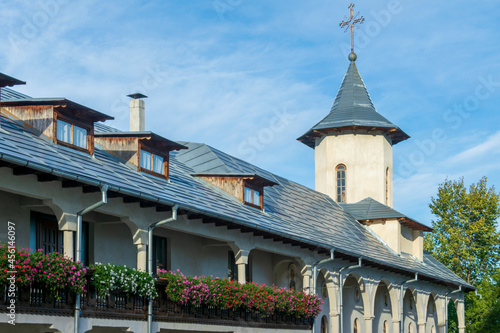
(291, 210)
(371, 209)
(353, 107)
(9, 94)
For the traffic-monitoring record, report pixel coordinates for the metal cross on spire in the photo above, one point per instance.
(353, 20)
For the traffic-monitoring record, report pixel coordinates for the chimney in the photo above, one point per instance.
(137, 117)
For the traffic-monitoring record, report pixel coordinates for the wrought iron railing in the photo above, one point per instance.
(120, 305)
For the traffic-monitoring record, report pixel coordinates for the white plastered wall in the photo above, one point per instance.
(366, 157)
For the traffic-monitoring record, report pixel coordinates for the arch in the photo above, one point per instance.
(340, 182)
(324, 324)
(432, 312)
(458, 304)
(354, 299)
(410, 312)
(383, 308)
(282, 271)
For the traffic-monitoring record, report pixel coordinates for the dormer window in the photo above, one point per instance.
(151, 162)
(71, 134)
(246, 187)
(147, 151)
(253, 195)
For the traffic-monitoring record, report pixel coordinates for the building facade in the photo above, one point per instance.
(342, 241)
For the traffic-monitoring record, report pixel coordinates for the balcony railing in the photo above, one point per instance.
(119, 305)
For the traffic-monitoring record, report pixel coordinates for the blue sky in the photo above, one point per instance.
(250, 76)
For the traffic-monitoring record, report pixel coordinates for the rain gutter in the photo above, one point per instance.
(78, 256)
(150, 259)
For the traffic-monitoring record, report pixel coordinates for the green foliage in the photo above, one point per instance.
(483, 314)
(466, 240)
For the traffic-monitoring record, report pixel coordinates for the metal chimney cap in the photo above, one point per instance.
(137, 96)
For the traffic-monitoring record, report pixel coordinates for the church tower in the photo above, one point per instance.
(353, 143)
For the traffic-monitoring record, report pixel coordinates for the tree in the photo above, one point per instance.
(466, 240)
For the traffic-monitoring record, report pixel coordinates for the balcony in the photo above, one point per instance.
(119, 305)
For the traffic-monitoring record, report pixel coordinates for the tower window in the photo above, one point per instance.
(387, 186)
(340, 176)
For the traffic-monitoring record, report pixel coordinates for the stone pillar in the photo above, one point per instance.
(241, 260)
(441, 328)
(421, 327)
(68, 243)
(461, 329)
(369, 324)
(142, 255)
(140, 239)
(334, 321)
(396, 326)
(306, 272)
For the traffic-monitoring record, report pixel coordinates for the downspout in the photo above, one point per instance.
(446, 302)
(341, 291)
(78, 256)
(150, 259)
(401, 322)
(315, 272)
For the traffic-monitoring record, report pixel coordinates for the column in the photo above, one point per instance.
(140, 239)
(306, 272)
(68, 243)
(421, 327)
(461, 314)
(441, 328)
(369, 324)
(142, 255)
(241, 260)
(396, 326)
(334, 321)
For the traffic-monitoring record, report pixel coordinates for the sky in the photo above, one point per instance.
(250, 76)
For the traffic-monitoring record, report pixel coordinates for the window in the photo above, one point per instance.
(324, 290)
(253, 195)
(71, 134)
(159, 253)
(356, 326)
(357, 295)
(386, 330)
(387, 186)
(48, 236)
(409, 328)
(151, 162)
(340, 177)
(324, 325)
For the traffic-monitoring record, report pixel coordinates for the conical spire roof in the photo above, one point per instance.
(353, 108)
